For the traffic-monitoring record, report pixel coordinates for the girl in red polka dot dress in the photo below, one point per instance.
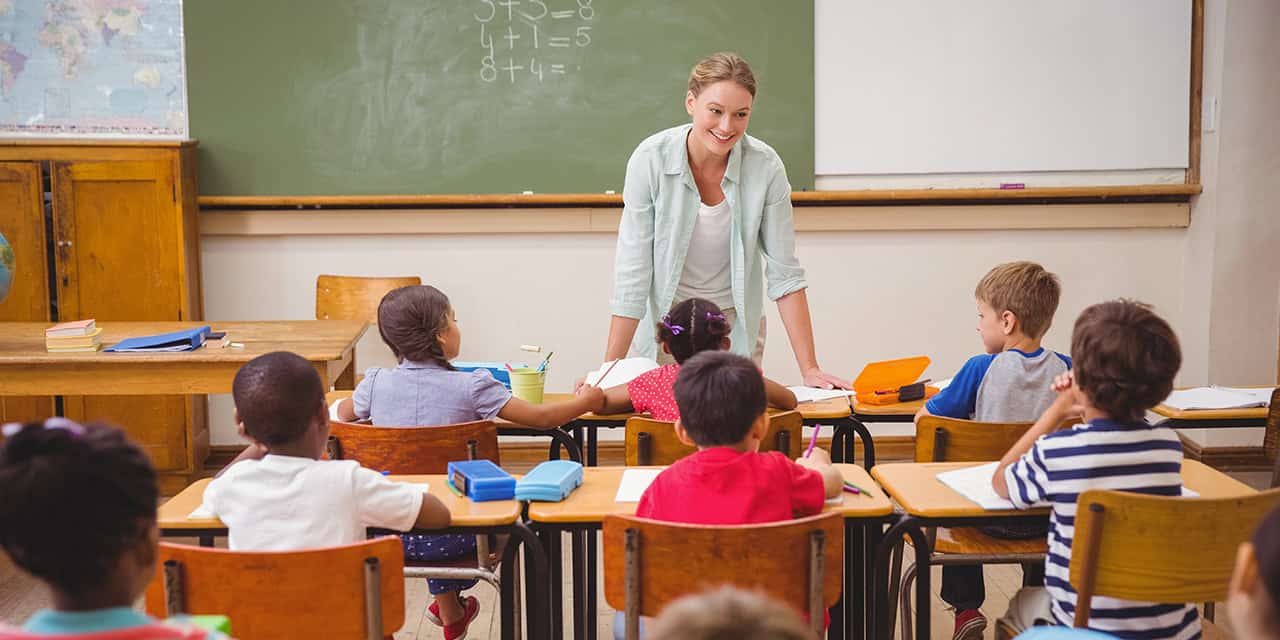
(691, 326)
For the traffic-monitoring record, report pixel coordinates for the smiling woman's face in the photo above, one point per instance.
(720, 114)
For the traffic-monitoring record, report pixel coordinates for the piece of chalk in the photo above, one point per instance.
(609, 192)
(1012, 185)
(530, 347)
(236, 345)
(527, 193)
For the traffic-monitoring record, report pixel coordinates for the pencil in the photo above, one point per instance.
(812, 441)
(606, 371)
(455, 490)
(858, 489)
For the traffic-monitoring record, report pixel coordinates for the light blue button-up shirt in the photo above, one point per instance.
(660, 207)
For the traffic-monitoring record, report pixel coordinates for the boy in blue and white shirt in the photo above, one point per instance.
(1011, 382)
(1125, 360)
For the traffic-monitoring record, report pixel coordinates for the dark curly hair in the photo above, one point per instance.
(410, 320)
(73, 500)
(692, 326)
(1125, 358)
(278, 395)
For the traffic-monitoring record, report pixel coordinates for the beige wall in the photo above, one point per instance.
(874, 295)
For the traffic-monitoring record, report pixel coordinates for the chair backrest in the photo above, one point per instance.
(1159, 549)
(654, 442)
(1271, 437)
(940, 439)
(647, 564)
(348, 592)
(409, 450)
(355, 297)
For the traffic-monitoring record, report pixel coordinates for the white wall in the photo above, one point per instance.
(874, 295)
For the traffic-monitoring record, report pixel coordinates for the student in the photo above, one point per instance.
(1009, 383)
(78, 512)
(729, 613)
(278, 495)
(1125, 360)
(691, 327)
(1253, 600)
(728, 481)
(418, 324)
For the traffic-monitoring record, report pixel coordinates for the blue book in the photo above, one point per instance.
(497, 369)
(184, 340)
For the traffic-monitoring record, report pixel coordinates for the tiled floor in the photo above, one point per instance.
(20, 596)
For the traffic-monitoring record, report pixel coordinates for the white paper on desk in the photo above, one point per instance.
(974, 483)
(942, 384)
(1218, 398)
(201, 513)
(625, 371)
(634, 482)
(810, 394)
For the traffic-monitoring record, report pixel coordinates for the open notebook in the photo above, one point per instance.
(974, 483)
(1218, 398)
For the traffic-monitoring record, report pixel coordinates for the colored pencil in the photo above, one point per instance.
(812, 441)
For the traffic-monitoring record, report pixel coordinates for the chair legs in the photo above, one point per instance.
(908, 578)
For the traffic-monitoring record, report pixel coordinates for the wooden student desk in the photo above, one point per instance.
(926, 502)
(583, 513)
(834, 411)
(499, 516)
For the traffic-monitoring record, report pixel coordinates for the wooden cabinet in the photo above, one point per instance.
(108, 231)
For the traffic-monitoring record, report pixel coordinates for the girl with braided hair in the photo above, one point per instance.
(691, 326)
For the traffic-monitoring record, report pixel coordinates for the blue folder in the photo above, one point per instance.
(184, 340)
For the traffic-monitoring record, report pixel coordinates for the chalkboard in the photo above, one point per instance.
(472, 96)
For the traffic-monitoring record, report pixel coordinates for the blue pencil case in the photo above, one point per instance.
(482, 480)
(550, 481)
(497, 369)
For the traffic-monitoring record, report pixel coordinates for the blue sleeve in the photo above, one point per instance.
(362, 397)
(488, 396)
(959, 398)
(1065, 358)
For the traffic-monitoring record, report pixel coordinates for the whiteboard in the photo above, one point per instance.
(937, 87)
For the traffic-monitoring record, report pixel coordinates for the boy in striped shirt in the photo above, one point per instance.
(1125, 358)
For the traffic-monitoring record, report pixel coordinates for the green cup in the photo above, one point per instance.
(527, 384)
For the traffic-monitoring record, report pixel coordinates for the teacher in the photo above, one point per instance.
(705, 206)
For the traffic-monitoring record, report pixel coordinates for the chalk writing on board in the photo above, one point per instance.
(533, 40)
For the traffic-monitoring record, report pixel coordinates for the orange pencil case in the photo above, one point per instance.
(892, 381)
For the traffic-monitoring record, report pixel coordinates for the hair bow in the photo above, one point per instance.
(675, 329)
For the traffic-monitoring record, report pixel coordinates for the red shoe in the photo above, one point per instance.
(433, 614)
(458, 630)
(970, 624)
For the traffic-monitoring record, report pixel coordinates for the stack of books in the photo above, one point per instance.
(81, 335)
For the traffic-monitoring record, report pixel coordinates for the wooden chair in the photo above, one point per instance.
(654, 442)
(349, 592)
(1136, 547)
(647, 564)
(426, 450)
(355, 297)
(940, 439)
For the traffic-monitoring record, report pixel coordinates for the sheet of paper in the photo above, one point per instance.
(200, 513)
(1218, 398)
(942, 384)
(625, 371)
(634, 482)
(974, 483)
(810, 394)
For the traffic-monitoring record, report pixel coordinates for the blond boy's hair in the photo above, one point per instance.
(728, 613)
(1025, 289)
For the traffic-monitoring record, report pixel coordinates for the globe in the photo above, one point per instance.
(6, 267)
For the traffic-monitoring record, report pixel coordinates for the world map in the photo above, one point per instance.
(96, 68)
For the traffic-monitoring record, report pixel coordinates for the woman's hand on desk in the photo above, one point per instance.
(815, 377)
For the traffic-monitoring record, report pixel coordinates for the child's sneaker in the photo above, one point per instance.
(433, 614)
(969, 625)
(458, 630)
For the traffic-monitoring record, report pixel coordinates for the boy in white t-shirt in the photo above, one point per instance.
(278, 495)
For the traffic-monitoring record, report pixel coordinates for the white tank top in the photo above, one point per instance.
(706, 266)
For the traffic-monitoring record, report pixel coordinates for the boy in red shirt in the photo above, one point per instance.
(728, 481)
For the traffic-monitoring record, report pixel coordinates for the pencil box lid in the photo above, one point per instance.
(550, 481)
(482, 480)
(888, 376)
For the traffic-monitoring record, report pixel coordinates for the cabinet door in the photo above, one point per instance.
(22, 223)
(117, 248)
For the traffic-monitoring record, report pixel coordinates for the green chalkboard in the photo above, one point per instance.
(357, 97)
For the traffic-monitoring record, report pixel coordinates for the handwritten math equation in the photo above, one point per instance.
(529, 39)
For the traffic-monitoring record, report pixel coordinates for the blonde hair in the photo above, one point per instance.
(1024, 288)
(729, 613)
(719, 67)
